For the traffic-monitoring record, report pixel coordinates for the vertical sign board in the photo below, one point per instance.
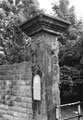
(36, 88)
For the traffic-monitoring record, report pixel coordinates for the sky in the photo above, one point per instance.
(46, 4)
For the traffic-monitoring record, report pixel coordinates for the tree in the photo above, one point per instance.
(72, 38)
(20, 11)
(13, 13)
(63, 11)
(71, 50)
(16, 44)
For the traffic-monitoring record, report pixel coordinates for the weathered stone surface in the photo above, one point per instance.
(45, 23)
(44, 31)
(49, 80)
(15, 92)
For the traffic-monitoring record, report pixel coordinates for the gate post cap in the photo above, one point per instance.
(46, 23)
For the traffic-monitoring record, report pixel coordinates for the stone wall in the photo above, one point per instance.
(16, 92)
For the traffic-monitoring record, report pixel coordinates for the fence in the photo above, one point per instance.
(71, 111)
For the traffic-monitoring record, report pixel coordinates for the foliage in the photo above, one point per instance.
(16, 45)
(69, 79)
(18, 12)
(65, 12)
(12, 39)
(71, 50)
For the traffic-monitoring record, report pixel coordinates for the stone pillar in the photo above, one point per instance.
(44, 31)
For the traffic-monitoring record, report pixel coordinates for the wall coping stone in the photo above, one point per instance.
(3, 67)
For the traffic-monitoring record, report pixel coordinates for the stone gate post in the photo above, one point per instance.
(44, 31)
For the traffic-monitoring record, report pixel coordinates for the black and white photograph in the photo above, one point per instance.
(41, 60)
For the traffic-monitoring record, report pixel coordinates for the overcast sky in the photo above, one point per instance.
(46, 4)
